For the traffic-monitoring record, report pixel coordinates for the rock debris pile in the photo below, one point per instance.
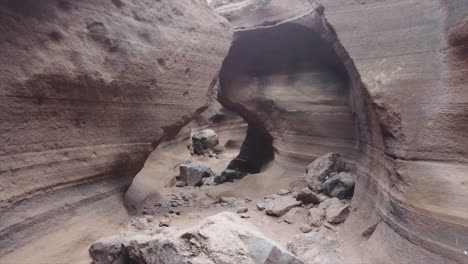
(223, 238)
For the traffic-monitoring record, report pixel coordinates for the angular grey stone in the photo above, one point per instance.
(315, 216)
(321, 168)
(330, 202)
(193, 173)
(291, 216)
(284, 192)
(204, 142)
(242, 210)
(262, 206)
(228, 200)
(337, 215)
(306, 229)
(307, 196)
(218, 149)
(180, 184)
(281, 205)
(112, 250)
(340, 186)
(335, 211)
(210, 181)
(314, 248)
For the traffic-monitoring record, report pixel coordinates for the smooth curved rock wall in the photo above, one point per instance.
(290, 80)
(89, 88)
(411, 57)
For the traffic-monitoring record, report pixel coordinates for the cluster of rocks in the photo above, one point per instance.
(223, 238)
(205, 143)
(329, 186)
(330, 174)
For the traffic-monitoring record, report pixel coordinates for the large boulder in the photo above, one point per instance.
(192, 174)
(223, 238)
(321, 169)
(314, 248)
(88, 88)
(340, 186)
(204, 142)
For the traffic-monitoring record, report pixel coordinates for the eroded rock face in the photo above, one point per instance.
(89, 88)
(405, 147)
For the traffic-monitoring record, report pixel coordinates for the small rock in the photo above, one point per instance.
(315, 216)
(229, 175)
(193, 173)
(307, 196)
(330, 202)
(322, 198)
(204, 141)
(337, 215)
(282, 205)
(291, 216)
(244, 215)
(228, 200)
(284, 192)
(242, 210)
(269, 197)
(261, 206)
(180, 184)
(335, 211)
(314, 248)
(340, 186)
(109, 250)
(165, 222)
(218, 149)
(305, 229)
(210, 181)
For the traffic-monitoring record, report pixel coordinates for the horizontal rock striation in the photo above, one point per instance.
(412, 59)
(393, 101)
(289, 78)
(89, 88)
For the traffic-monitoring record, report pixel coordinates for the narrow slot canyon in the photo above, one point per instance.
(233, 131)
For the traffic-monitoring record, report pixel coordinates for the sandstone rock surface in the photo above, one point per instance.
(314, 248)
(405, 147)
(87, 90)
(223, 238)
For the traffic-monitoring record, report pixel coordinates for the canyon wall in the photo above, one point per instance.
(87, 90)
(401, 75)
